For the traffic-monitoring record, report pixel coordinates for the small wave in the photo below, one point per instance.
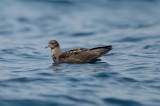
(152, 47)
(105, 74)
(6, 32)
(131, 39)
(23, 19)
(64, 2)
(29, 102)
(80, 34)
(23, 80)
(128, 80)
(102, 75)
(121, 102)
(8, 51)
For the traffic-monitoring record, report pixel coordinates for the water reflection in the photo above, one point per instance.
(87, 67)
(56, 67)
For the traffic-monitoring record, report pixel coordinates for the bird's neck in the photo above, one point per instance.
(56, 52)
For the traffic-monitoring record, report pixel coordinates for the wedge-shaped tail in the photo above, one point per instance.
(102, 50)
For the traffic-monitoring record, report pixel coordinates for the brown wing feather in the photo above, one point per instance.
(94, 53)
(72, 52)
(88, 56)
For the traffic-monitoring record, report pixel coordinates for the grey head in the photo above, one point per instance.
(53, 44)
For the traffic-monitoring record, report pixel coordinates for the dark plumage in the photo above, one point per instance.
(80, 55)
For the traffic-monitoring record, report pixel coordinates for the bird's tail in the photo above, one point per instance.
(102, 50)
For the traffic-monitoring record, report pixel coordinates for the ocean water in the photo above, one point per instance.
(129, 75)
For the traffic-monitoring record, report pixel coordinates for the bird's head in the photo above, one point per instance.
(53, 44)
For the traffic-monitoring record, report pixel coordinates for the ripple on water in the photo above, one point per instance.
(24, 80)
(105, 74)
(80, 34)
(128, 80)
(31, 102)
(6, 32)
(8, 51)
(23, 20)
(130, 39)
(62, 2)
(121, 102)
(152, 47)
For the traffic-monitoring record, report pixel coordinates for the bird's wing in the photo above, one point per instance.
(92, 53)
(72, 52)
(84, 55)
(87, 56)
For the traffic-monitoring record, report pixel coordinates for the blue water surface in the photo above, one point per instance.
(129, 75)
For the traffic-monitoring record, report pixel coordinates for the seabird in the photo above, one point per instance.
(79, 55)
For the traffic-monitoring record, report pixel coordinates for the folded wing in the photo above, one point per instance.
(84, 55)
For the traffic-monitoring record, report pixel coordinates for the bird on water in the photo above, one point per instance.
(79, 55)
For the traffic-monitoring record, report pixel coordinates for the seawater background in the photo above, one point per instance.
(129, 75)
